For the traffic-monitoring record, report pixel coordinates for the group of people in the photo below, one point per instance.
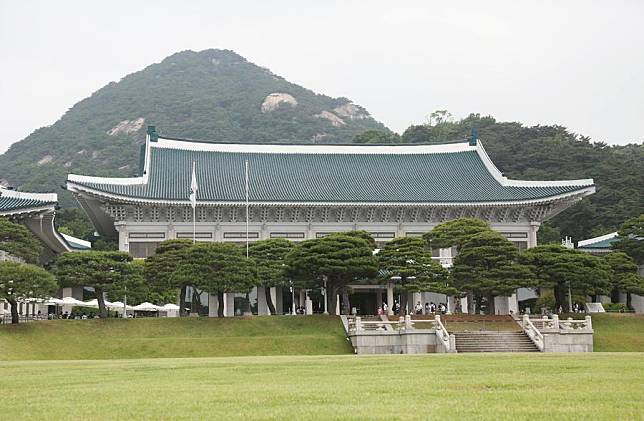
(430, 308)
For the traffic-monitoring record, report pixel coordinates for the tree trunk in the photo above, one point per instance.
(182, 301)
(490, 304)
(628, 301)
(404, 296)
(102, 310)
(220, 304)
(471, 304)
(560, 297)
(15, 317)
(331, 294)
(614, 295)
(346, 305)
(269, 300)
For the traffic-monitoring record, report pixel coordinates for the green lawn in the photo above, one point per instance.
(173, 337)
(433, 386)
(615, 332)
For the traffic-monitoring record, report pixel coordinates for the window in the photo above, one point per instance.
(515, 234)
(287, 235)
(241, 235)
(383, 234)
(521, 245)
(322, 234)
(147, 235)
(414, 234)
(141, 250)
(197, 235)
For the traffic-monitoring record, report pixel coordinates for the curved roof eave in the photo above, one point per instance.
(75, 187)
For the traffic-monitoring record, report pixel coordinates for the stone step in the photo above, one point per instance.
(494, 342)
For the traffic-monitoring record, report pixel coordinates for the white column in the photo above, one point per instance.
(532, 234)
(213, 304)
(229, 304)
(337, 304)
(390, 298)
(262, 305)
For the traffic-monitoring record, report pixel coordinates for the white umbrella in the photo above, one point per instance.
(170, 307)
(91, 303)
(146, 307)
(117, 305)
(53, 301)
(70, 301)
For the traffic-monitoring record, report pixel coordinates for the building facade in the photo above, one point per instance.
(301, 192)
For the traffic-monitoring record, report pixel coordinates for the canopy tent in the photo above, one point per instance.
(170, 307)
(118, 305)
(71, 301)
(146, 307)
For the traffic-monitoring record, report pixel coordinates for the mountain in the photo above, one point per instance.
(212, 95)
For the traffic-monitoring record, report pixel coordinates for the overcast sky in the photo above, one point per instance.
(575, 63)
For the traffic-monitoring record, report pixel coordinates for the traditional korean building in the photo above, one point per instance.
(307, 191)
(37, 211)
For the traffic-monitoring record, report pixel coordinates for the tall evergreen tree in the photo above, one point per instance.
(624, 277)
(18, 241)
(487, 266)
(19, 281)
(269, 257)
(161, 267)
(559, 267)
(97, 269)
(454, 233)
(217, 268)
(407, 258)
(338, 259)
(631, 239)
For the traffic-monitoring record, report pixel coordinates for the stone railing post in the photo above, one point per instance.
(555, 321)
(358, 324)
(452, 343)
(525, 321)
(401, 322)
(589, 323)
(408, 324)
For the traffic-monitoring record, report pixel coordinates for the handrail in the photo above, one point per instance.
(533, 333)
(447, 341)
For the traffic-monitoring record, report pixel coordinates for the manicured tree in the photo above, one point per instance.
(624, 277)
(18, 241)
(559, 267)
(631, 239)
(160, 267)
(217, 268)
(409, 259)
(487, 266)
(97, 269)
(338, 258)
(20, 280)
(454, 233)
(269, 257)
(138, 289)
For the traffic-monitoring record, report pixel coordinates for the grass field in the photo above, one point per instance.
(434, 386)
(211, 337)
(173, 337)
(616, 332)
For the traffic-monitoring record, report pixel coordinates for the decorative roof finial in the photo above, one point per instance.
(474, 137)
(152, 132)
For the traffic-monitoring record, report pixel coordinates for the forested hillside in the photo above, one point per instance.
(212, 95)
(548, 153)
(218, 95)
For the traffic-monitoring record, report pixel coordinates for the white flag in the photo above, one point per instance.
(193, 187)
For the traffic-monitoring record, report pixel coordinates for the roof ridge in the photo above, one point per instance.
(285, 143)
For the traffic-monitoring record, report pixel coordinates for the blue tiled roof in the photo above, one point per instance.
(9, 204)
(459, 177)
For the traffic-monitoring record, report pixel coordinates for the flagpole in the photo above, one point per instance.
(247, 208)
(193, 201)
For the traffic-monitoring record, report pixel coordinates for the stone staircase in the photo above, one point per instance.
(494, 342)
